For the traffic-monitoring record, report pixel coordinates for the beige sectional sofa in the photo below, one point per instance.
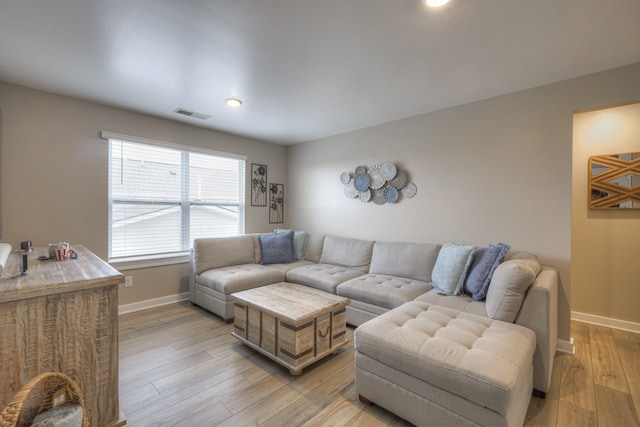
(388, 277)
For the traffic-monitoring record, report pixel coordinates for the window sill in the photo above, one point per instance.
(134, 263)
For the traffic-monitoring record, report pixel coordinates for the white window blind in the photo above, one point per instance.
(162, 196)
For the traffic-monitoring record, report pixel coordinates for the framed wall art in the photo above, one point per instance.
(276, 205)
(258, 185)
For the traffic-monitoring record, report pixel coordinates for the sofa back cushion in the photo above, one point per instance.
(313, 249)
(409, 260)
(351, 253)
(509, 285)
(218, 252)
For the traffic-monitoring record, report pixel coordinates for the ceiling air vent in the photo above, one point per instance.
(193, 114)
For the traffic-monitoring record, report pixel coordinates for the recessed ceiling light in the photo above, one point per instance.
(436, 3)
(233, 102)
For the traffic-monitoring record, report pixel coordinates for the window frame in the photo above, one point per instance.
(182, 256)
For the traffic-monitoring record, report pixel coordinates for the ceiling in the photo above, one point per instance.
(307, 69)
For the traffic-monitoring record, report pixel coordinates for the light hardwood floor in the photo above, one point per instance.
(179, 366)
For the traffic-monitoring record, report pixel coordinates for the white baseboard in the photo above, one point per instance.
(150, 303)
(566, 346)
(606, 321)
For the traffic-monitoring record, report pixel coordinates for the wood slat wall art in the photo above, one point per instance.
(604, 191)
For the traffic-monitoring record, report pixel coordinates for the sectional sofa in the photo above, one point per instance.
(387, 281)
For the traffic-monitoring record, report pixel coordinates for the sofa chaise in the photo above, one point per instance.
(385, 279)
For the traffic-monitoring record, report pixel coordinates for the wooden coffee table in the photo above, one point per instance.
(292, 324)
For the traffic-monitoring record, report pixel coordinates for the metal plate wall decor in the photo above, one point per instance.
(399, 181)
(362, 182)
(381, 184)
(350, 190)
(390, 195)
(409, 190)
(364, 196)
(377, 180)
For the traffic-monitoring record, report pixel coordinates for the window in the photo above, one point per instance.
(162, 196)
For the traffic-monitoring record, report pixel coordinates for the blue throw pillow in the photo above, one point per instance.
(451, 268)
(484, 264)
(299, 242)
(277, 248)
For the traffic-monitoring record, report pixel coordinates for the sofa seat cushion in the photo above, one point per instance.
(382, 290)
(477, 358)
(325, 277)
(228, 280)
(459, 302)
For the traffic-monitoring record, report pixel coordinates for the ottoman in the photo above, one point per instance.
(433, 365)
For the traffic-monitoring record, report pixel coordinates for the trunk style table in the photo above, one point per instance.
(292, 324)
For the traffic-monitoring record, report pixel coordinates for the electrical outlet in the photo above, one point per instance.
(128, 281)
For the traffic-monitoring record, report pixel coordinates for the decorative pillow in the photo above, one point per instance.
(299, 242)
(451, 268)
(277, 248)
(485, 261)
(509, 285)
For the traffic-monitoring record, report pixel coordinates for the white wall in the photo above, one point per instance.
(55, 180)
(497, 170)
(605, 243)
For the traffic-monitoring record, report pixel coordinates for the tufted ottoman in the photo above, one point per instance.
(433, 365)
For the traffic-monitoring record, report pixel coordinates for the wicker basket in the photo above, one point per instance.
(37, 396)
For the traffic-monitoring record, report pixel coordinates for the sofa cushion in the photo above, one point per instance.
(313, 249)
(217, 252)
(410, 260)
(325, 277)
(451, 268)
(474, 357)
(228, 280)
(277, 247)
(485, 261)
(289, 266)
(299, 242)
(459, 302)
(351, 253)
(509, 285)
(382, 290)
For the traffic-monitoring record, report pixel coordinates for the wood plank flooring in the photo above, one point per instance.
(179, 366)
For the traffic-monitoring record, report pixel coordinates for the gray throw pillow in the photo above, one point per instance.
(485, 261)
(299, 242)
(277, 248)
(509, 285)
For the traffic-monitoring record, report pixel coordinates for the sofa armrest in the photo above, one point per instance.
(192, 276)
(539, 312)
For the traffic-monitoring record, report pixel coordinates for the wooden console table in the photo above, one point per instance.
(62, 316)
